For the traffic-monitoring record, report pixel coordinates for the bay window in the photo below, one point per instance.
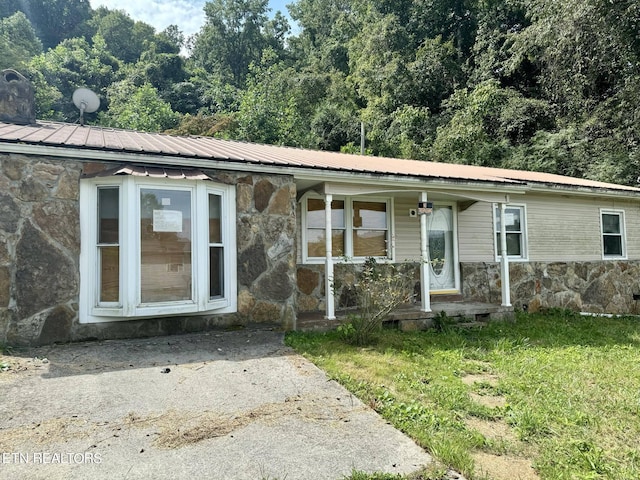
(155, 246)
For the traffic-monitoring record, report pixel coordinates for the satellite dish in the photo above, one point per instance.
(86, 101)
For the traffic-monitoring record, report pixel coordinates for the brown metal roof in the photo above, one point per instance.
(55, 134)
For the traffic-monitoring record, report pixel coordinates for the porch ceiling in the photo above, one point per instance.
(406, 191)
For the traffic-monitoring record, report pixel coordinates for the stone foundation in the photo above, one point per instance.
(596, 287)
(40, 248)
(311, 286)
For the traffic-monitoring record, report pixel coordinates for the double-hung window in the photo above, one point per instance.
(154, 246)
(516, 231)
(360, 228)
(613, 234)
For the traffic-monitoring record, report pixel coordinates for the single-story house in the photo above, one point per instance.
(110, 233)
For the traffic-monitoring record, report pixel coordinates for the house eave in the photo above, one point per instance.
(402, 182)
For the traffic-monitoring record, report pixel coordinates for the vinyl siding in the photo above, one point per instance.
(568, 229)
(475, 233)
(559, 228)
(407, 230)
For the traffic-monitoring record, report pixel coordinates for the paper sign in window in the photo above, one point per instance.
(509, 219)
(167, 221)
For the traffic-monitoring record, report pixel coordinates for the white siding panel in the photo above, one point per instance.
(563, 229)
(475, 233)
(559, 228)
(407, 230)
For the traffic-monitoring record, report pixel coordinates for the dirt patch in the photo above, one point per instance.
(179, 429)
(172, 429)
(10, 366)
(490, 401)
(474, 378)
(492, 429)
(504, 467)
(49, 431)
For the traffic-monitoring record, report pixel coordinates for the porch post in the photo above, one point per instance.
(504, 258)
(328, 271)
(425, 304)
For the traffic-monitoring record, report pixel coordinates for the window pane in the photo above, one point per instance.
(612, 245)
(370, 243)
(514, 244)
(370, 215)
(512, 217)
(108, 213)
(165, 245)
(109, 274)
(215, 209)
(316, 214)
(316, 243)
(216, 272)
(610, 223)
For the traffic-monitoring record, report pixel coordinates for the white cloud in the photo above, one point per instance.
(186, 14)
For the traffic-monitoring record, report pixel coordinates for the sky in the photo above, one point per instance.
(186, 14)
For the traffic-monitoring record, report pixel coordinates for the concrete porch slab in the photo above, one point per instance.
(410, 318)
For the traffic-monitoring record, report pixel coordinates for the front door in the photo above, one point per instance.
(442, 263)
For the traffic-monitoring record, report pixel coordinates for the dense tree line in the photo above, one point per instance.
(532, 84)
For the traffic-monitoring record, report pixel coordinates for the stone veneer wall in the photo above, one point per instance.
(40, 247)
(311, 289)
(596, 287)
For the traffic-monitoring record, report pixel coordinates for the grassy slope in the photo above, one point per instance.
(572, 386)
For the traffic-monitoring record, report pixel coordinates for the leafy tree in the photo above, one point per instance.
(9, 7)
(57, 20)
(138, 108)
(73, 64)
(125, 38)
(235, 34)
(18, 41)
(268, 111)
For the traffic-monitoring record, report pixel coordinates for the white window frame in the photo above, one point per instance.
(524, 247)
(349, 228)
(129, 305)
(623, 233)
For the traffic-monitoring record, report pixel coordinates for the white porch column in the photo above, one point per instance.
(425, 305)
(328, 270)
(504, 258)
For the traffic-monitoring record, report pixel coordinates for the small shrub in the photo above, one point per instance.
(378, 290)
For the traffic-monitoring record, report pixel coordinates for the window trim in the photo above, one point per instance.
(525, 235)
(623, 233)
(348, 227)
(129, 306)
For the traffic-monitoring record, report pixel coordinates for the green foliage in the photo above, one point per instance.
(18, 41)
(535, 84)
(138, 108)
(569, 383)
(378, 289)
(235, 35)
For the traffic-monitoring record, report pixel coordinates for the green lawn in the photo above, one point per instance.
(564, 390)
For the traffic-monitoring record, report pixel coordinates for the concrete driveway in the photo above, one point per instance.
(219, 405)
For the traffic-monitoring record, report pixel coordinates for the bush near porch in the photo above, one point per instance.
(556, 395)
